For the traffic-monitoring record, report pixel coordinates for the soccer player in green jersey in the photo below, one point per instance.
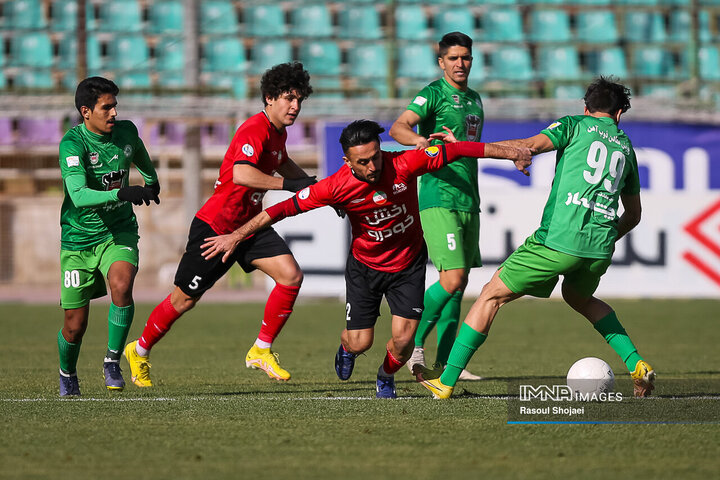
(449, 198)
(596, 169)
(99, 231)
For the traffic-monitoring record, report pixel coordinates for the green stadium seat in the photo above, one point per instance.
(478, 72)
(120, 16)
(411, 23)
(596, 26)
(454, 20)
(170, 54)
(559, 63)
(24, 15)
(235, 84)
(33, 78)
(327, 87)
(368, 60)
(172, 79)
(267, 53)
(609, 61)
(592, 2)
(166, 17)
(320, 57)
(549, 26)
(680, 26)
(68, 51)
(218, 17)
(494, 2)
(709, 62)
(511, 63)
(3, 82)
(418, 61)
(31, 49)
(127, 52)
(265, 20)
(133, 79)
(652, 62)
(360, 22)
(568, 92)
(644, 27)
(63, 16)
(667, 92)
(502, 25)
(224, 54)
(311, 21)
(639, 3)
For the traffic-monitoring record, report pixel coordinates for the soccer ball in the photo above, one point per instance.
(590, 375)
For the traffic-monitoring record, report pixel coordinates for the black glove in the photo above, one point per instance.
(297, 184)
(154, 192)
(135, 194)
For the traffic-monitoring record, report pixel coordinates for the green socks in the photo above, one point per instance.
(69, 353)
(467, 342)
(435, 299)
(119, 321)
(609, 327)
(447, 327)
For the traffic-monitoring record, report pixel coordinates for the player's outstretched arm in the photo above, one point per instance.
(403, 130)
(520, 156)
(226, 244)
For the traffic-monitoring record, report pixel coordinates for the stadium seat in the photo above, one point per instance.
(549, 26)
(321, 57)
(596, 26)
(411, 23)
(680, 26)
(640, 2)
(171, 79)
(218, 17)
(478, 72)
(33, 78)
(592, 2)
(170, 53)
(511, 63)
(568, 92)
(454, 20)
(224, 54)
(63, 16)
(215, 134)
(6, 129)
(120, 16)
(133, 79)
(559, 63)
(267, 53)
(651, 62)
(235, 84)
(311, 21)
(502, 25)
(3, 80)
(709, 59)
(610, 61)
(658, 91)
(45, 130)
(31, 49)
(166, 17)
(2, 57)
(24, 15)
(360, 22)
(128, 52)
(368, 60)
(68, 51)
(644, 27)
(418, 61)
(265, 20)
(327, 87)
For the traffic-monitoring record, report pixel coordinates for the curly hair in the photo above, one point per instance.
(283, 78)
(607, 96)
(89, 90)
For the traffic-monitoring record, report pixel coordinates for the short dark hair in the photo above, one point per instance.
(608, 96)
(89, 90)
(452, 39)
(283, 78)
(360, 132)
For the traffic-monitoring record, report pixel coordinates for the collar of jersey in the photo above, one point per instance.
(100, 137)
(447, 84)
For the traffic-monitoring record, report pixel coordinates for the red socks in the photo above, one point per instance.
(391, 364)
(160, 321)
(277, 310)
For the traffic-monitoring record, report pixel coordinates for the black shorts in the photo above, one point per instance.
(195, 275)
(365, 287)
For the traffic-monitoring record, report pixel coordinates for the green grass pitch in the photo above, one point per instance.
(209, 417)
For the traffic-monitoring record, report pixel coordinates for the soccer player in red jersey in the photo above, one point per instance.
(256, 152)
(378, 191)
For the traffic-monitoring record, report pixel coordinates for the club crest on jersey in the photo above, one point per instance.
(127, 151)
(456, 98)
(94, 157)
(399, 188)
(432, 152)
(379, 197)
(304, 193)
(248, 150)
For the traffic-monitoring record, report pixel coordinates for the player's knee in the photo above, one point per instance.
(359, 345)
(292, 277)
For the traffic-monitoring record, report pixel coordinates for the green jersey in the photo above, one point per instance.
(595, 164)
(455, 186)
(93, 168)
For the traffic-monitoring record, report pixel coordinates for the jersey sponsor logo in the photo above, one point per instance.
(432, 152)
(553, 125)
(113, 180)
(398, 228)
(380, 197)
(399, 188)
(72, 161)
(420, 101)
(472, 125)
(304, 193)
(94, 157)
(128, 150)
(384, 214)
(248, 150)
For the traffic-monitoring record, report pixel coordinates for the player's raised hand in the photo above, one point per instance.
(447, 137)
(225, 244)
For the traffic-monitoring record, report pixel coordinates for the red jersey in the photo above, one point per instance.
(384, 216)
(258, 143)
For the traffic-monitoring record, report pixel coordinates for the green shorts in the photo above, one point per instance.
(533, 269)
(452, 238)
(83, 272)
